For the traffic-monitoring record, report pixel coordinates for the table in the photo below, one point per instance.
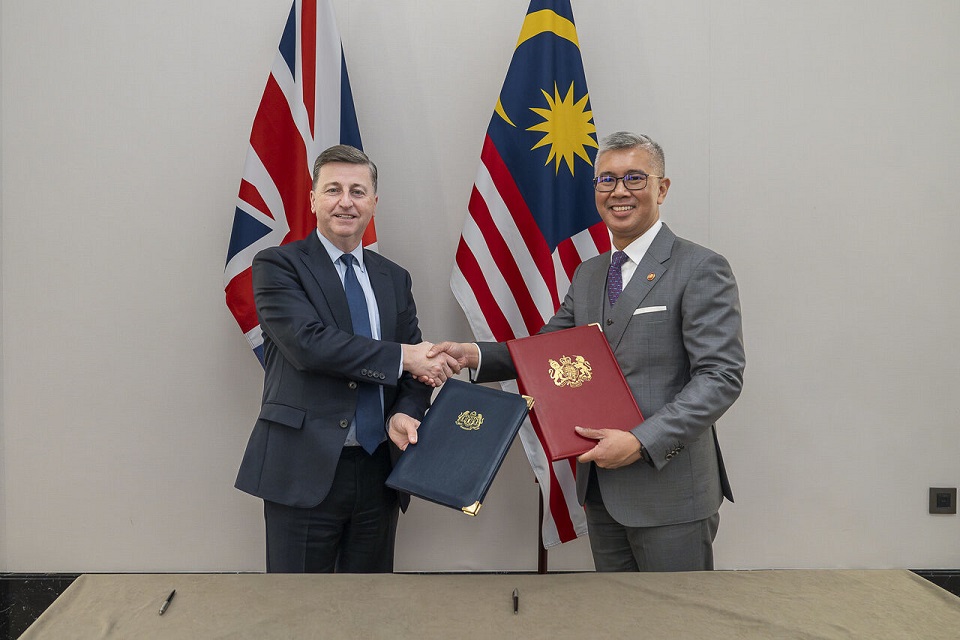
(809, 604)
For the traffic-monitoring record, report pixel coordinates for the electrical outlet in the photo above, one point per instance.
(943, 500)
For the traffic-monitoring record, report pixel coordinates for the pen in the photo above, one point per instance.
(516, 600)
(166, 603)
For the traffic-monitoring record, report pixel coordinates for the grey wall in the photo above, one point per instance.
(812, 143)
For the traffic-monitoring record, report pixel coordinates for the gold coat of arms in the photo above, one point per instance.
(570, 372)
(470, 420)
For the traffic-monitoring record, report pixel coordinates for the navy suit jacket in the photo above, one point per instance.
(313, 362)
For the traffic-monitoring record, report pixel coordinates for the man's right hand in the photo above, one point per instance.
(429, 369)
(466, 354)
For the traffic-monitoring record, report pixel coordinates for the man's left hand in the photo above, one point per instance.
(402, 430)
(614, 448)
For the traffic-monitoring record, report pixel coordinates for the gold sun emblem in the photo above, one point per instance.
(570, 372)
(470, 420)
(567, 127)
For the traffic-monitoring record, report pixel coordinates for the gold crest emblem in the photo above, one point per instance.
(470, 420)
(570, 372)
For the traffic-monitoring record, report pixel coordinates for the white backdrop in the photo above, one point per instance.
(813, 143)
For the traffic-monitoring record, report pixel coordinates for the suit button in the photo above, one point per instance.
(344, 424)
(381, 376)
(363, 372)
(352, 384)
(609, 321)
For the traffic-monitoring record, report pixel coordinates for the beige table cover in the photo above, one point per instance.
(800, 604)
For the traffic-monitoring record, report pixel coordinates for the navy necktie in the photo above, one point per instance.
(369, 416)
(615, 277)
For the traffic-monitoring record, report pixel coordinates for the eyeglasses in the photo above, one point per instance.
(632, 181)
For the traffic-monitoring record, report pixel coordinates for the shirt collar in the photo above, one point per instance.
(638, 248)
(335, 252)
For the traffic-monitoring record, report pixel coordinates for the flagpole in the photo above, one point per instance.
(541, 550)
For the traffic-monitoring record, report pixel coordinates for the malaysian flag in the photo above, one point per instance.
(306, 107)
(533, 218)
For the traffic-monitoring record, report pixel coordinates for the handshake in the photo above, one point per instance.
(432, 364)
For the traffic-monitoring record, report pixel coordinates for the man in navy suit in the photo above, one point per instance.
(341, 346)
(670, 310)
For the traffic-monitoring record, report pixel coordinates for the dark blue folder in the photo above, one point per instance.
(461, 444)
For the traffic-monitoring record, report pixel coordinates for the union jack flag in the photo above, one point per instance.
(306, 107)
(533, 218)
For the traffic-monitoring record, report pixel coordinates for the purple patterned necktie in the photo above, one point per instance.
(615, 277)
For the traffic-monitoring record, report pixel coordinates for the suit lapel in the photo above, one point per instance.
(318, 262)
(597, 287)
(382, 286)
(652, 266)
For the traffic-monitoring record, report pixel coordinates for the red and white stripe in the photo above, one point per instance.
(298, 117)
(509, 285)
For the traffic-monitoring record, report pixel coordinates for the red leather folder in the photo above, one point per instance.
(575, 380)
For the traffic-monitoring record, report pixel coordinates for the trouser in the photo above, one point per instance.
(352, 531)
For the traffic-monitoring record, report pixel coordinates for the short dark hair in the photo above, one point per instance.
(627, 140)
(344, 153)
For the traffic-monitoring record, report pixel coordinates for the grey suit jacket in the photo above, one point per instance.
(677, 336)
(313, 362)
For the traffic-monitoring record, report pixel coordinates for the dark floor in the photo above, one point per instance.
(24, 596)
(946, 579)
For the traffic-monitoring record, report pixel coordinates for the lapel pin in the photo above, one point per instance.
(651, 276)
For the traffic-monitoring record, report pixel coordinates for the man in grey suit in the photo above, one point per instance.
(341, 345)
(671, 313)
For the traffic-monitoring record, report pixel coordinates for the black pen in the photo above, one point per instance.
(166, 603)
(516, 601)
